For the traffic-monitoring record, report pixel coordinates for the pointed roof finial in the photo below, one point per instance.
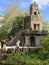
(34, 2)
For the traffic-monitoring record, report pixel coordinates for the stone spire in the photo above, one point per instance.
(34, 2)
(33, 7)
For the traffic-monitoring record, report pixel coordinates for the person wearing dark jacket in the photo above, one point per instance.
(2, 43)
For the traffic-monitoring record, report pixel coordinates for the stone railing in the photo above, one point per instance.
(34, 32)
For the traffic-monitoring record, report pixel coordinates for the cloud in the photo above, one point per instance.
(41, 3)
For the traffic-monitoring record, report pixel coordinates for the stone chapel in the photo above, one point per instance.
(33, 33)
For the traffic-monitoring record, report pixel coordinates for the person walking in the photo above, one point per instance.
(3, 43)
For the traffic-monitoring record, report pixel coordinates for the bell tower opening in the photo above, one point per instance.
(36, 26)
(35, 13)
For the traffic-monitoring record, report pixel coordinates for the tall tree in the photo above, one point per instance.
(13, 16)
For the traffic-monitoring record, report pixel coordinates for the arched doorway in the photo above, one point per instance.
(32, 41)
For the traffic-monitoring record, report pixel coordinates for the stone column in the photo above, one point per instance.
(21, 41)
(27, 42)
(37, 41)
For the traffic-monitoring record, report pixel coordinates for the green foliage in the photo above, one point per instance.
(18, 25)
(10, 28)
(44, 53)
(22, 59)
(12, 20)
(46, 25)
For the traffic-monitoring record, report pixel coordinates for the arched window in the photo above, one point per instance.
(34, 26)
(32, 41)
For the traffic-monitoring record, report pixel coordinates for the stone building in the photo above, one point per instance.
(33, 33)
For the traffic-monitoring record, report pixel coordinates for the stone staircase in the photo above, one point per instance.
(14, 40)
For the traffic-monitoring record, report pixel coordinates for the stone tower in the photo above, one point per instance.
(33, 30)
(35, 19)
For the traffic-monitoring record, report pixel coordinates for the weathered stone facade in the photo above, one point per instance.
(33, 28)
(34, 21)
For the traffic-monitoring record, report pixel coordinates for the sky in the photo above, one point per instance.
(25, 4)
